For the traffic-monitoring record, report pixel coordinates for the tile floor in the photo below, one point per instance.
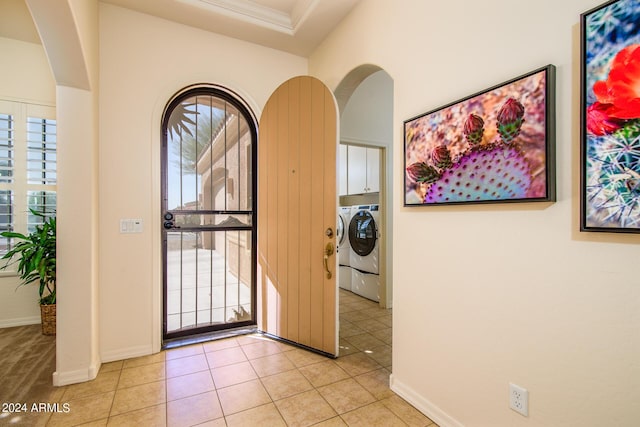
(251, 380)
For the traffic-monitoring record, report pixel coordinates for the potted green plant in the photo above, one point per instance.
(35, 255)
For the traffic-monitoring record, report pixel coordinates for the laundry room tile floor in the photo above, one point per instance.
(250, 380)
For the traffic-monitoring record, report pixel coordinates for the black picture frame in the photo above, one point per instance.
(610, 118)
(495, 146)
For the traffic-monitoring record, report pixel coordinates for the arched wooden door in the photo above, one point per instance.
(296, 276)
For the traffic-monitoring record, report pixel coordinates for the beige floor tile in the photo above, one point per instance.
(301, 357)
(365, 341)
(283, 346)
(387, 320)
(225, 376)
(152, 416)
(271, 365)
(220, 344)
(240, 397)
(194, 410)
(348, 329)
(97, 423)
(358, 363)
(286, 384)
(111, 366)
(384, 335)
(84, 410)
(130, 377)
(353, 316)
(226, 356)
(305, 409)
(346, 395)
(373, 415)
(370, 325)
(331, 422)
(190, 350)
(260, 349)
(262, 416)
(144, 360)
(251, 339)
(189, 385)
(381, 354)
(346, 348)
(104, 382)
(186, 365)
(405, 411)
(375, 312)
(377, 383)
(139, 397)
(220, 422)
(323, 373)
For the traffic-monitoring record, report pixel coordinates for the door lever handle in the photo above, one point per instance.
(169, 225)
(328, 251)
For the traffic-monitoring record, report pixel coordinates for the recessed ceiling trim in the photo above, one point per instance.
(266, 17)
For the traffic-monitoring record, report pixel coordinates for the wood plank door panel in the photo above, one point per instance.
(297, 203)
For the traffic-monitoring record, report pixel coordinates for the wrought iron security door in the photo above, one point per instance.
(208, 205)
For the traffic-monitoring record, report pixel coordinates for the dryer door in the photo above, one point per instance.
(340, 230)
(362, 233)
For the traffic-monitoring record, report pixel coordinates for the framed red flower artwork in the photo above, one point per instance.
(610, 149)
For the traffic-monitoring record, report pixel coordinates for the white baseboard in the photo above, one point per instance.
(19, 321)
(126, 353)
(436, 414)
(77, 376)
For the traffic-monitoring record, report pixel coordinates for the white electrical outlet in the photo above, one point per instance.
(519, 399)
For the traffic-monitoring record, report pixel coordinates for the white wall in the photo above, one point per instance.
(492, 294)
(25, 76)
(144, 61)
(367, 116)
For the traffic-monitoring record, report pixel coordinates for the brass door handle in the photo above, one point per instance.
(328, 251)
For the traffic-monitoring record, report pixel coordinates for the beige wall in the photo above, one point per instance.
(144, 61)
(492, 294)
(24, 78)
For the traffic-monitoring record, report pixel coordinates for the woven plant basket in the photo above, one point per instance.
(48, 315)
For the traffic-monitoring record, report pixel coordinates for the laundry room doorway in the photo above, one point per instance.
(365, 158)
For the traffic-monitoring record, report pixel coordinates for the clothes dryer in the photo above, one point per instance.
(364, 238)
(344, 248)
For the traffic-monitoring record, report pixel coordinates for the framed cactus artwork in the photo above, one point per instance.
(495, 146)
(610, 118)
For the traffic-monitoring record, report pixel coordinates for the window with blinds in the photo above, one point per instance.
(27, 166)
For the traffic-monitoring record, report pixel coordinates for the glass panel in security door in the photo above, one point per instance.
(208, 209)
(209, 279)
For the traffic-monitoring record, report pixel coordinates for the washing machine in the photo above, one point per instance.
(365, 284)
(344, 248)
(364, 238)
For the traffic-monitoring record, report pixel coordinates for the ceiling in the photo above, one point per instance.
(295, 26)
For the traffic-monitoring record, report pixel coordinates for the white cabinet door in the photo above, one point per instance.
(357, 163)
(373, 170)
(363, 174)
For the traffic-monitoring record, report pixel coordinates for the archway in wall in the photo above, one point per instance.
(365, 100)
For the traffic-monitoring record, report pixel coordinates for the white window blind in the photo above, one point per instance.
(28, 147)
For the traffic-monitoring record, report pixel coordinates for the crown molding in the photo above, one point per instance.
(263, 16)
